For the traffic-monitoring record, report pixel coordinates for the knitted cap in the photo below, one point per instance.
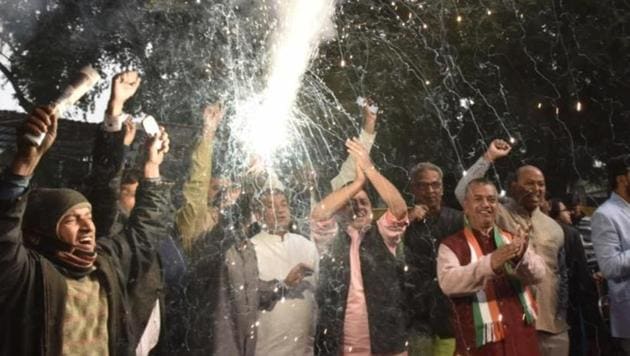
(46, 207)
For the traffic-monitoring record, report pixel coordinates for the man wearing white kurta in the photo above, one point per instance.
(288, 328)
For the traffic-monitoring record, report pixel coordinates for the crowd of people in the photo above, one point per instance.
(117, 269)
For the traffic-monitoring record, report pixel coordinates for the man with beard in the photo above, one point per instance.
(611, 240)
(521, 212)
(61, 290)
(430, 223)
(360, 296)
(486, 272)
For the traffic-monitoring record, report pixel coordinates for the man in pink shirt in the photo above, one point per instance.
(361, 299)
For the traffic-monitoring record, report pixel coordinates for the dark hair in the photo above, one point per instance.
(256, 201)
(617, 166)
(554, 208)
(130, 176)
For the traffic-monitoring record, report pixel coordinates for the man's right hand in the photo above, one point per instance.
(297, 274)
(369, 118)
(130, 132)
(212, 115)
(502, 255)
(124, 86)
(42, 120)
(498, 148)
(418, 212)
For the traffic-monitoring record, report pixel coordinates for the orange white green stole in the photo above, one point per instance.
(486, 314)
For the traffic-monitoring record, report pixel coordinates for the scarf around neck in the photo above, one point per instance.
(487, 316)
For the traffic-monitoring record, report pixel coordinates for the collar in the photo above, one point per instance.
(617, 198)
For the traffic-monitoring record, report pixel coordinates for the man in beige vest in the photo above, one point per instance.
(521, 213)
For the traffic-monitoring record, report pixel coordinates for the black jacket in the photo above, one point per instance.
(383, 279)
(429, 307)
(33, 290)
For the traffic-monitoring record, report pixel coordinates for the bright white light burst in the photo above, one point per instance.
(264, 120)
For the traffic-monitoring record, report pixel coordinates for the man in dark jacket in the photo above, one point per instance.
(431, 221)
(360, 295)
(61, 290)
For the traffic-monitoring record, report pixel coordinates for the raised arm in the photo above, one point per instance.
(497, 149)
(14, 256)
(366, 136)
(110, 151)
(192, 218)
(327, 207)
(386, 190)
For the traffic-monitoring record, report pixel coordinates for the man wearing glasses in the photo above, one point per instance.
(431, 334)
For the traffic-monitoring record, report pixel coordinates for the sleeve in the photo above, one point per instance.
(347, 170)
(323, 233)
(392, 229)
(457, 280)
(191, 217)
(613, 260)
(532, 268)
(12, 186)
(15, 262)
(477, 170)
(268, 294)
(104, 181)
(148, 224)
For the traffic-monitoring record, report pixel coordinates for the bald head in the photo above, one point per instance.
(528, 189)
(528, 169)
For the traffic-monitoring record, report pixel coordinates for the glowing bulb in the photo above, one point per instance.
(459, 18)
(425, 26)
(427, 82)
(540, 105)
(557, 111)
(343, 63)
(578, 106)
(464, 172)
(489, 12)
(512, 140)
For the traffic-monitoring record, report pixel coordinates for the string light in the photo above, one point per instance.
(489, 12)
(540, 105)
(578, 106)
(459, 18)
(342, 63)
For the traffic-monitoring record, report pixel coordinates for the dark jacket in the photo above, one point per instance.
(383, 275)
(587, 326)
(429, 307)
(33, 290)
(109, 156)
(225, 293)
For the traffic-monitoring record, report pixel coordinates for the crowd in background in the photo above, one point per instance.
(117, 269)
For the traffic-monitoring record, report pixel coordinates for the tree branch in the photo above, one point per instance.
(24, 103)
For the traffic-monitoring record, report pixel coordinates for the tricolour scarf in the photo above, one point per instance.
(486, 314)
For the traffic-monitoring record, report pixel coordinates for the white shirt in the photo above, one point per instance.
(289, 328)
